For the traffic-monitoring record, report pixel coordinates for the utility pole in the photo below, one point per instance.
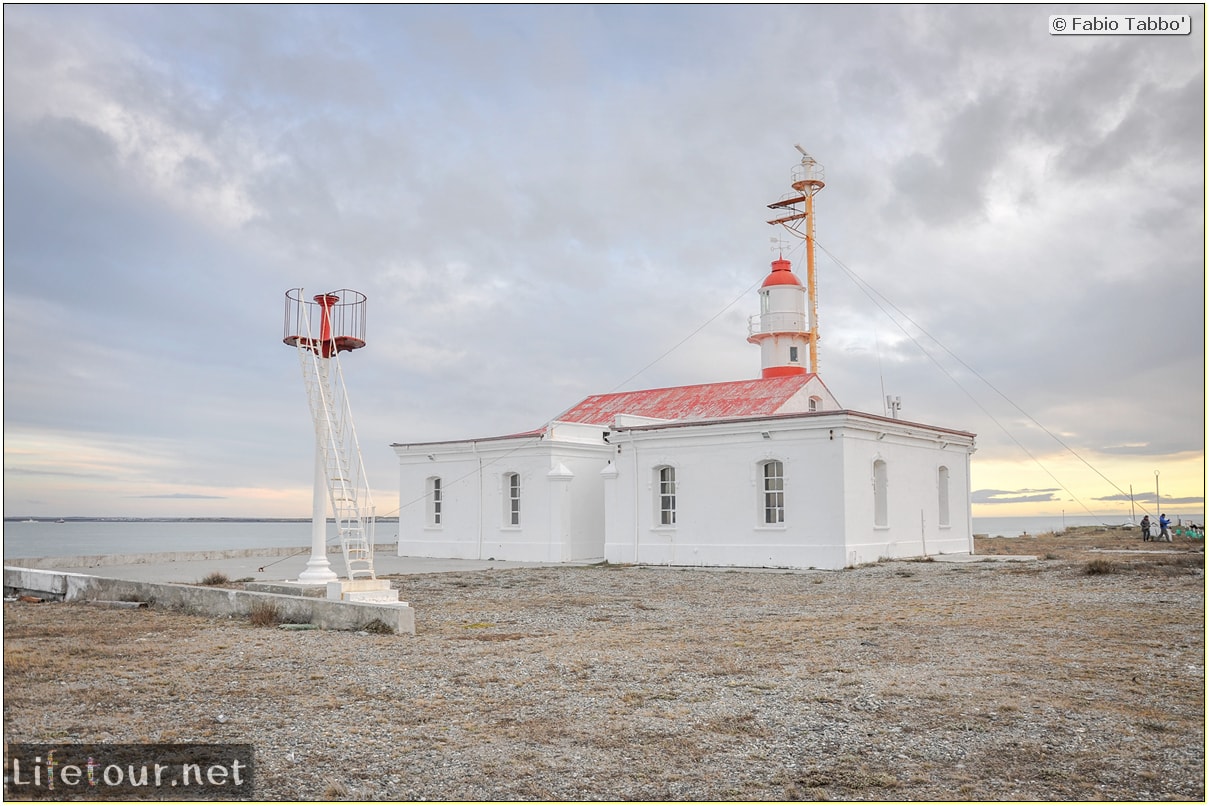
(1158, 501)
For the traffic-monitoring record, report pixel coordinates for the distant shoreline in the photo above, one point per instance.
(1114, 517)
(93, 519)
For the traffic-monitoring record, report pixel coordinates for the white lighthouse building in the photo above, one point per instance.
(766, 472)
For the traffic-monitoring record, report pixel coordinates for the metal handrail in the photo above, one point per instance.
(777, 322)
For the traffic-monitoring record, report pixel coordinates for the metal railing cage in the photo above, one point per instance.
(327, 323)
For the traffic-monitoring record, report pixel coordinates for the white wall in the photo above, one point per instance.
(913, 457)
(800, 402)
(828, 494)
(561, 514)
(583, 501)
(719, 498)
(457, 535)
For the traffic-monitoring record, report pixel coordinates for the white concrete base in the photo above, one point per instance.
(375, 597)
(318, 571)
(363, 590)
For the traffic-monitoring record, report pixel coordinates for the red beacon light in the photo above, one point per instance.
(340, 316)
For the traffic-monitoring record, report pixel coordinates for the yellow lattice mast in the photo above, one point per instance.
(806, 179)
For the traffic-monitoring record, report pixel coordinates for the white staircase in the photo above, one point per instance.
(348, 490)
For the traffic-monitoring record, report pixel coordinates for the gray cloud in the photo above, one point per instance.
(1013, 496)
(540, 202)
(1147, 498)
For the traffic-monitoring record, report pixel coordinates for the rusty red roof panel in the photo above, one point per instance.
(707, 401)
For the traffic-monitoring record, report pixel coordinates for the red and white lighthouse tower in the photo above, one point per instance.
(781, 328)
(787, 327)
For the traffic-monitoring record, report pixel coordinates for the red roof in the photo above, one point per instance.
(707, 401)
(781, 274)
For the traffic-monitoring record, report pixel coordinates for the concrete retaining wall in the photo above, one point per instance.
(323, 613)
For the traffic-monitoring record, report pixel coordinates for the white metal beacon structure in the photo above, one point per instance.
(321, 328)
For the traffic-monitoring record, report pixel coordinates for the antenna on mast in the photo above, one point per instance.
(807, 180)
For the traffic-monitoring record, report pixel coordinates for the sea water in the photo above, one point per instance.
(77, 538)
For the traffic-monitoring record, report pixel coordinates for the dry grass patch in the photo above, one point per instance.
(847, 776)
(494, 636)
(265, 614)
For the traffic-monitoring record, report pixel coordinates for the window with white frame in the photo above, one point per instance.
(434, 501)
(793, 355)
(942, 494)
(666, 499)
(812, 404)
(881, 507)
(512, 499)
(773, 492)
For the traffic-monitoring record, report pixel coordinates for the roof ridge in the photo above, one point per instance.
(691, 401)
(781, 378)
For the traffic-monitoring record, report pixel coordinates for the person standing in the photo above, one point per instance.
(1145, 528)
(1164, 523)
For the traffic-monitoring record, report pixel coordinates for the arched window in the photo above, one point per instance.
(512, 499)
(665, 500)
(942, 494)
(881, 509)
(773, 492)
(434, 501)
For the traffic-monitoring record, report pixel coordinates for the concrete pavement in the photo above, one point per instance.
(273, 565)
(189, 568)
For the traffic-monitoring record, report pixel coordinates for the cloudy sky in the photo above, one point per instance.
(542, 202)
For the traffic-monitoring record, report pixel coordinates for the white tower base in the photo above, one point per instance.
(318, 569)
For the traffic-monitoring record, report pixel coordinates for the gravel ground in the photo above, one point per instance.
(896, 681)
